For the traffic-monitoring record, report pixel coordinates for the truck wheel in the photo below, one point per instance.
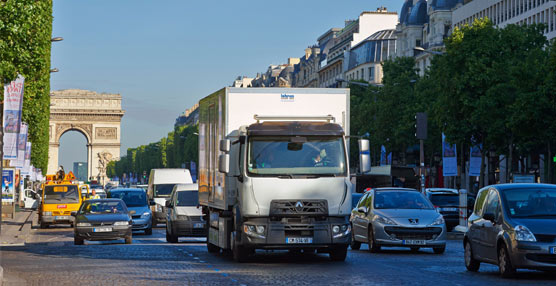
(211, 248)
(373, 247)
(240, 253)
(128, 239)
(338, 253)
(355, 245)
(44, 225)
(171, 238)
(77, 240)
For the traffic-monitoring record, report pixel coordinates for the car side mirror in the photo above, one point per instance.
(74, 213)
(169, 204)
(489, 217)
(132, 212)
(362, 210)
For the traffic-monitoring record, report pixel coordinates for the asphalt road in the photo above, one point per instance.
(51, 259)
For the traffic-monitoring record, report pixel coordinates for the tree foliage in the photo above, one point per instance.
(25, 33)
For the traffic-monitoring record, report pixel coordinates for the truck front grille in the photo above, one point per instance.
(285, 208)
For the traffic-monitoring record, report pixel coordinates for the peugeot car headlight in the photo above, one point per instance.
(121, 223)
(384, 220)
(522, 233)
(440, 220)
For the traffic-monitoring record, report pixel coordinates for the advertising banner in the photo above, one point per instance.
(27, 164)
(449, 158)
(8, 183)
(382, 155)
(193, 170)
(475, 161)
(13, 98)
(21, 145)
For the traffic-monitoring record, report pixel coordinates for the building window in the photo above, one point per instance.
(417, 43)
(372, 74)
(362, 73)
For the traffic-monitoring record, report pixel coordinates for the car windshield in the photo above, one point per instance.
(444, 200)
(531, 202)
(187, 198)
(61, 194)
(311, 155)
(132, 198)
(102, 207)
(401, 200)
(163, 190)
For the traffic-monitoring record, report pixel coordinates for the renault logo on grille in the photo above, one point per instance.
(299, 206)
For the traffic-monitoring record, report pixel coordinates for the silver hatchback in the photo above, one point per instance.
(513, 226)
(397, 217)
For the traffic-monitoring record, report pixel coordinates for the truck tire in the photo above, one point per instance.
(338, 253)
(171, 238)
(44, 225)
(240, 253)
(211, 248)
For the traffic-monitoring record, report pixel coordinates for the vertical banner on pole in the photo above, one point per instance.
(475, 161)
(449, 158)
(382, 155)
(8, 183)
(27, 164)
(13, 98)
(21, 145)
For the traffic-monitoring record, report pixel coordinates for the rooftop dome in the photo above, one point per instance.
(404, 13)
(418, 14)
(444, 4)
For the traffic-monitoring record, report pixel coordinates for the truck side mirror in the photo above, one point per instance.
(364, 156)
(224, 163)
(225, 145)
(168, 204)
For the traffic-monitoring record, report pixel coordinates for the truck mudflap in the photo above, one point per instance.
(288, 233)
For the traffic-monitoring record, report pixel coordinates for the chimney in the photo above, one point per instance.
(307, 53)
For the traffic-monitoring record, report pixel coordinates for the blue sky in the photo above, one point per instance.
(163, 56)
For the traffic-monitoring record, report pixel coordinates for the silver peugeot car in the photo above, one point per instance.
(397, 217)
(513, 226)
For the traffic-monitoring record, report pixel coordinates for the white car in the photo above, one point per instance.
(183, 216)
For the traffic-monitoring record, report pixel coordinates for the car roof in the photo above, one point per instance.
(104, 200)
(510, 186)
(128, 190)
(395, 189)
(442, 191)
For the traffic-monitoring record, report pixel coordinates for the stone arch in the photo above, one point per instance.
(97, 116)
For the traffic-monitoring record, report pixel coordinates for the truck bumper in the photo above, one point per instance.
(292, 233)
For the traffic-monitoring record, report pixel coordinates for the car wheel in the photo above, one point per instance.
(373, 247)
(77, 240)
(439, 250)
(338, 253)
(128, 239)
(507, 270)
(470, 263)
(355, 245)
(149, 231)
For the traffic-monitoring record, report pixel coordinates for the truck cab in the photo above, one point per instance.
(59, 199)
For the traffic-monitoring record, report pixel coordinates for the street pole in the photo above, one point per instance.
(421, 134)
(422, 165)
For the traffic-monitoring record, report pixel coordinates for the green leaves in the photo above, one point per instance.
(25, 32)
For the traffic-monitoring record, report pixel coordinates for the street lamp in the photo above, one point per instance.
(54, 70)
(422, 50)
(56, 39)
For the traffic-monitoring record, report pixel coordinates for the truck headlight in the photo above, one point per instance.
(80, 224)
(341, 230)
(254, 231)
(336, 229)
(522, 233)
(47, 213)
(121, 223)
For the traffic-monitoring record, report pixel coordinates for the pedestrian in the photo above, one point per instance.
(94, 195)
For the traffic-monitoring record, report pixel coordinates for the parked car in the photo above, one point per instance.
(513, 226)
(184, 217)
(104, 219)
(397, 217)
(446, 202)
(136, 200)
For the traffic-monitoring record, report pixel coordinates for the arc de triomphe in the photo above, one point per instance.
(97, 116)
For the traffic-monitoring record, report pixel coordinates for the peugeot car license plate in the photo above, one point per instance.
(199, 225)
(294, 240)
(62, 217)
(102, 229)
(414, 242)
(449, 209)
(553, 250)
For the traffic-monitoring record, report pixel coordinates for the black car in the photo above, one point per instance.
(103, 219)
(446, 201)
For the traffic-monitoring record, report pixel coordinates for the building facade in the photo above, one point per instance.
(189, 117)
(80, 171)
(504, 12)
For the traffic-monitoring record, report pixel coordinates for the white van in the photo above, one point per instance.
(161, 184)
(184, 215)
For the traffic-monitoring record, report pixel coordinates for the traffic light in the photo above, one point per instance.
(421, 126)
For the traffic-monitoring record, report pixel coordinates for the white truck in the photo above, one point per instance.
(274, 170)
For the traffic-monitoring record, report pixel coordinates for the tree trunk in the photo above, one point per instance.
(462, 182)
(510, 164)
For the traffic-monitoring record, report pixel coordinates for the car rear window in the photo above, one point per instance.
(445, 200)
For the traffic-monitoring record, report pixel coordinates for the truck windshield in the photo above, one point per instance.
(289, 156)
(163, 190)
(61, 194)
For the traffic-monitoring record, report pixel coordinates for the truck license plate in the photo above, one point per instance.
(553, 250)
(102, 229)
(62, 217)
(199, 225)
(414, 242)
(294, 240)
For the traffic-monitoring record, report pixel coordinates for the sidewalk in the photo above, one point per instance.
(14, 231)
